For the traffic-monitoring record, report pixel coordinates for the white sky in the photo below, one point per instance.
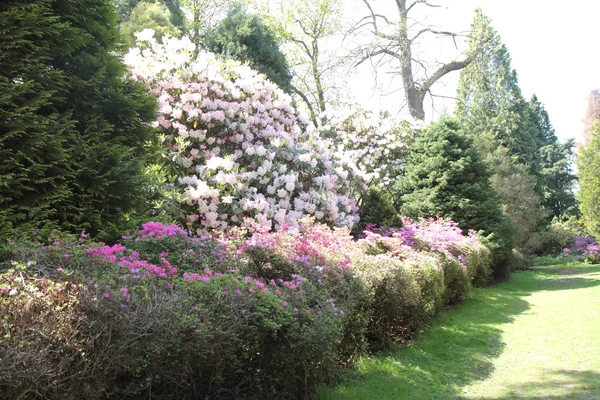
(553, 45)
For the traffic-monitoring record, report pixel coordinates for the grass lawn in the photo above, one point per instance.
(534, 337)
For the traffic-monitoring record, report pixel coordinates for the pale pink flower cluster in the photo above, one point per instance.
(245, 156)
(373, 145)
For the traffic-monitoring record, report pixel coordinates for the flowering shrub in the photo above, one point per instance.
(587, 248)
(439, 236)
(166, 314)
(242, 154)
(205, 329)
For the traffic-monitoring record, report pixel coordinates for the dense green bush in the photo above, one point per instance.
(446, 176)
(248, 39)
(73, 127)
(457, 281)
(377, 208)
(196, 339)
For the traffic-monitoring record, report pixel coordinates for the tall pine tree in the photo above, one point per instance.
(556, 179)
(489, 97)
(531, 169)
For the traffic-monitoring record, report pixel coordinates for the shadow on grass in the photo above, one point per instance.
(461, 345)
(565, 278)
(557, 384)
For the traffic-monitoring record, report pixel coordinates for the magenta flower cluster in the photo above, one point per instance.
(587, 248)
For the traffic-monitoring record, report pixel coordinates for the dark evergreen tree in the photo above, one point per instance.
(378, 208)
(74, 127)
(493, 110)
(446, 176)
(34, 134)
(489, 97)
(248, 39)
(556, 179)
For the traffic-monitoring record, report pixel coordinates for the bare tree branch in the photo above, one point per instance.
(436, 32)
(424, 2)
(376, 53)
(397, 47)
(445, 69)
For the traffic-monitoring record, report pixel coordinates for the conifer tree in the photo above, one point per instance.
(556, 179)
(493, 110)
(489, 97)
(74, 128)
(446, 175)
(246, 38)
(34, 134)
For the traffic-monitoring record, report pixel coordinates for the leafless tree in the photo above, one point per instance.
(392, 41)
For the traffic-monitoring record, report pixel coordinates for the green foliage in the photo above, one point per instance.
(446, 176)
(378, 208)
(246, 38)
(125, 9)
(34, 135)
(457, 281)
(516, 187)
(491, 106)
(553, 238)
(588, 164)
(190, 339)
(556, 180)
(489, 97)
(73, 129)
(147, 15)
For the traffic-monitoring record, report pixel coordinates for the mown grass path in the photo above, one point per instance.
(534, 337)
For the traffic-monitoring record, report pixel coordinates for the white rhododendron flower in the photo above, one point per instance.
(244, 154)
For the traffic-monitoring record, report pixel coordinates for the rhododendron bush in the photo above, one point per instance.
(242, 153)
(375, 145)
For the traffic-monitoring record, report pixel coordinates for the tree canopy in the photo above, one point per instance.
(246, 38)
(588, 164)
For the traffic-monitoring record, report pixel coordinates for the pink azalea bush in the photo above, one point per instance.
(165, 313)
(243, 154)
(586, 248)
